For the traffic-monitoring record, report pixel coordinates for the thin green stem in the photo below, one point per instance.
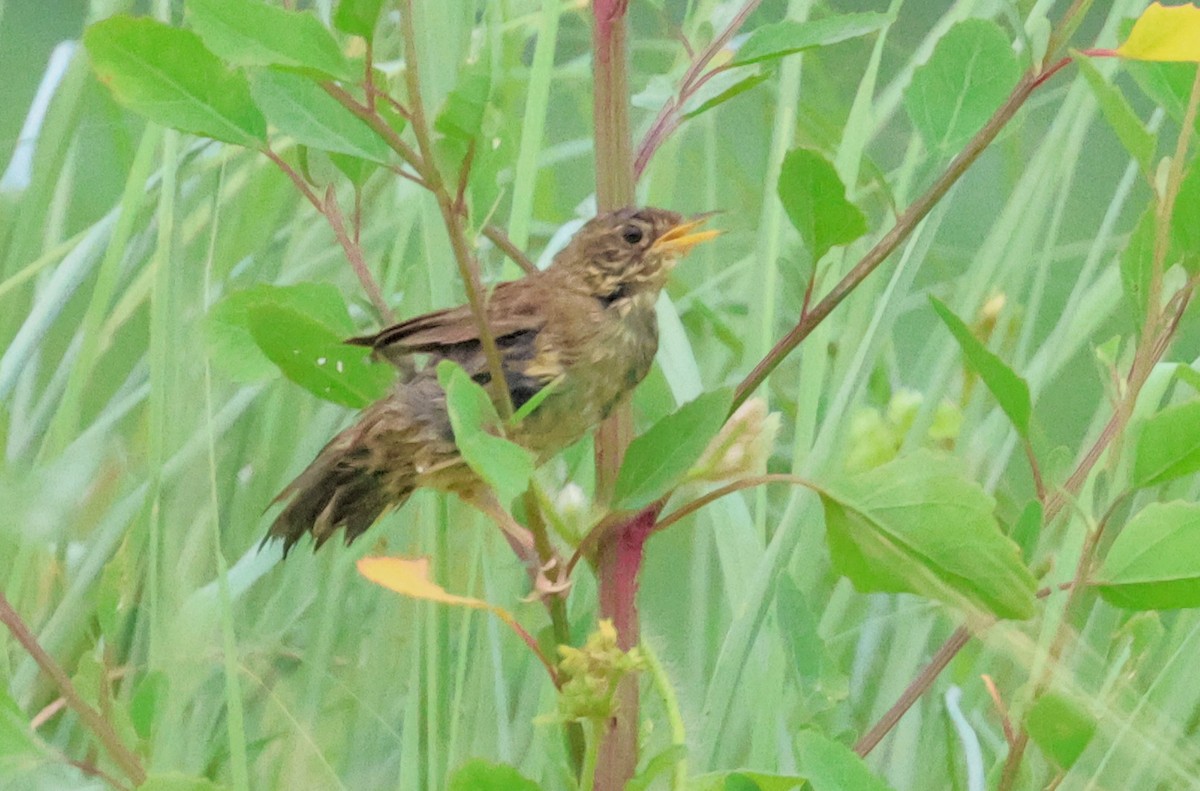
(354, 254)
(406, 152)
(658, 677)
(591, 758)
(510, 249)
(730, 488)
(77, 392)
(236, 730)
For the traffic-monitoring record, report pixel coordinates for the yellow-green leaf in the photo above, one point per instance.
(410, 577)
(1165, 34)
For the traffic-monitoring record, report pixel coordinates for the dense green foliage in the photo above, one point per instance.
(985, 453)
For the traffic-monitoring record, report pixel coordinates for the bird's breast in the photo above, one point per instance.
(614, 355)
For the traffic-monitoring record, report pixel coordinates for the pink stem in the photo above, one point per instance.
(619, 563)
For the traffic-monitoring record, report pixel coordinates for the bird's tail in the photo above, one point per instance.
(342, 487)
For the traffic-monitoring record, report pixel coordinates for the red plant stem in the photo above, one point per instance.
(610, 106)
(618, 565)
(614, 190)
(619, 555)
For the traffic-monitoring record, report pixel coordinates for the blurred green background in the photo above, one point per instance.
(138, 459)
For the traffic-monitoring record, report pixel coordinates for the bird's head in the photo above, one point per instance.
(629, 253)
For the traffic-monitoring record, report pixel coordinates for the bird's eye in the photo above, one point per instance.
(632, 234)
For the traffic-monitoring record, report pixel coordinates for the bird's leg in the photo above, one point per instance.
(546, 574)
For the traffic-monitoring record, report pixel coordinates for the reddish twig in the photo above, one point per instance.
(125, 758)
(914, 691)
(669, 118)
(333, 213)
(1010, 735)
(501, 240)
(353, 252)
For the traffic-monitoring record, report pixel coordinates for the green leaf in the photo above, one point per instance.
(1010, 390)
(16, 737)
(176, 781)
(1061, 727)
(505, 465)
(358, 17)
(146, 704)
(657, 766)
(1168, 446)
(971, 72)
(658, 459)
(761, 781)
(301, 109)
(314, 357)
(1167, 84)
(803, 643)
(745, 780)
(1185, 222)
(815, 201)
(739, 87)
(1028, 528)
(461, 116)
(167, 76)
(252, 33)
(916, 525)
(832, 766)
(227, 326)
(1133, 135)
(477, 775)
(1155, 562)
(353, 168)
(785, 38)
(1188, 375)
(1136, 262)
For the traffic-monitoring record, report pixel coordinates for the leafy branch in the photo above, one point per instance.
(670, 115)
(1158, 331)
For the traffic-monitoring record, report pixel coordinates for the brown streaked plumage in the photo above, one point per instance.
(585, 324)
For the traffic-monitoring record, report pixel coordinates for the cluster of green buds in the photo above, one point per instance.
(592, 674)
(876, 436)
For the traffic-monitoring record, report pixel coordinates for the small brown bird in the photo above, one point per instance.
(586, 326)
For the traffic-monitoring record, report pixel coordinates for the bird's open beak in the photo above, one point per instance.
(683, 237)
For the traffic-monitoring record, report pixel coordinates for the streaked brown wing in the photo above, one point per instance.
(513, 308)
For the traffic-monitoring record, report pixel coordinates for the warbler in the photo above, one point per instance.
(584, 327)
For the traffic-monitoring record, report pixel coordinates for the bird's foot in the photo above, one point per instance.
(549, 580)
